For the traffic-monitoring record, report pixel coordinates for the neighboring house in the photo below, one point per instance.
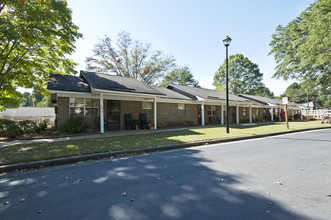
(274, 107)
(36, 114)
(311, 106)
(106, 100)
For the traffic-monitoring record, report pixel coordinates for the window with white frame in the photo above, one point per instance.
(257, 111)
(84, 107)
(244, 111)
(147, 108)
(181, 110)
(211, 110)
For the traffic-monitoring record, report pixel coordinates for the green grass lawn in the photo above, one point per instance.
(43, 151)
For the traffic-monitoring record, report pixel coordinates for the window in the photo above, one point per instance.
(181, 110)
(147, 108)
(244, 111)
(211, 110)
(84, 107)
(91, 108)
(76, 106)
(257, 111)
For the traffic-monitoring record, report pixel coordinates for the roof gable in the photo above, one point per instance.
(117, 83)
(68, 83)
(201, 94)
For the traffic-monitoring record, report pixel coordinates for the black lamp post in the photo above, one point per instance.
(226, 43)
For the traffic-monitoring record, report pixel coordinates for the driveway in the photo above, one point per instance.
(280, 177)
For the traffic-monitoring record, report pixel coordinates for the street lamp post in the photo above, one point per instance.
(226, 43)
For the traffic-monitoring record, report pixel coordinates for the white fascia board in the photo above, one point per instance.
(200, 99)
(68, 93)
(105, 92)
(176, 101)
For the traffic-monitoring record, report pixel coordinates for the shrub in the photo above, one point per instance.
(188, 123)
(74, 125)
(12, 131)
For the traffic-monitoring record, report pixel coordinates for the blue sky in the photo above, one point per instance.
(190, 30)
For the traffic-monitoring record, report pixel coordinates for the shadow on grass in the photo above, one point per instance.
(169, 185)
(44, 151)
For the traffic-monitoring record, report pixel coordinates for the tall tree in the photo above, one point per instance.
(302, 49)
(130, 58)
(35, 36)
(244, 76)
(295, 93)
(180, 76)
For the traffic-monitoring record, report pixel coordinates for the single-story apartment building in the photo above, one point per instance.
(110, 102)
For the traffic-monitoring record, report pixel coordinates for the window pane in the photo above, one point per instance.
(147, 105)
(181, 107)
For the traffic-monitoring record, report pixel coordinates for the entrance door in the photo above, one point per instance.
(113, 115)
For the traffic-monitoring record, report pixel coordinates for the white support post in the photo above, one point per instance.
(202, 114)
(250, 114)
(222, 114)
(272, 114)
(237, 114)
(301, 114)
(101, 115)
(155, 114)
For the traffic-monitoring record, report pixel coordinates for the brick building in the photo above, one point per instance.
(109, 102)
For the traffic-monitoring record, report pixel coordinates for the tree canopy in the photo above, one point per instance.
(244, 76)
(180, 76)
(130, 58)
(302, 49)
(35, 36)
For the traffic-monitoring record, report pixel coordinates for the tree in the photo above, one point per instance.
(302, 49)
(295, 93)
(131, 58)
(244, 76)
(35, 36)
(180, 76)
(264, 92)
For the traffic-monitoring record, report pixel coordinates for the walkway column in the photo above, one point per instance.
(237, 114)
(272, 114)
(101, 115)
(155, 114)
(202, 114)
(250, 114)
(301, 113)
(222, 114)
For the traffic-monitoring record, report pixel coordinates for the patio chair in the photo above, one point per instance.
(128, 121)
(143, 121)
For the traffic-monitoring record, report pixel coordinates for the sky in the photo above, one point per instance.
(190, 30)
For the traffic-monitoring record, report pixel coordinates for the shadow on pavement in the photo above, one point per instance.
(169, 185)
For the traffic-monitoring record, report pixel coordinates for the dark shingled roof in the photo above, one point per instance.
(266, 100)
(67, 83)
(171, 94)
(117, 83)
(206, 93)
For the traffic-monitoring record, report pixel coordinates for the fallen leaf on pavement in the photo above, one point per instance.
(132, 199)
(268, 212)
(124, 194)
(39, 211)
(22, 200)
(279, 183)
(328, 195)
(79, 180)
(222, 180)
(6, 203)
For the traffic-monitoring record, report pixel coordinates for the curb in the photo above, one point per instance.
(74, 159)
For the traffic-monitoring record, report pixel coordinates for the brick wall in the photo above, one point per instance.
(168, 115)
(62, 114)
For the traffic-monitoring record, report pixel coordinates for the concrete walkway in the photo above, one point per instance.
(105, 135)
